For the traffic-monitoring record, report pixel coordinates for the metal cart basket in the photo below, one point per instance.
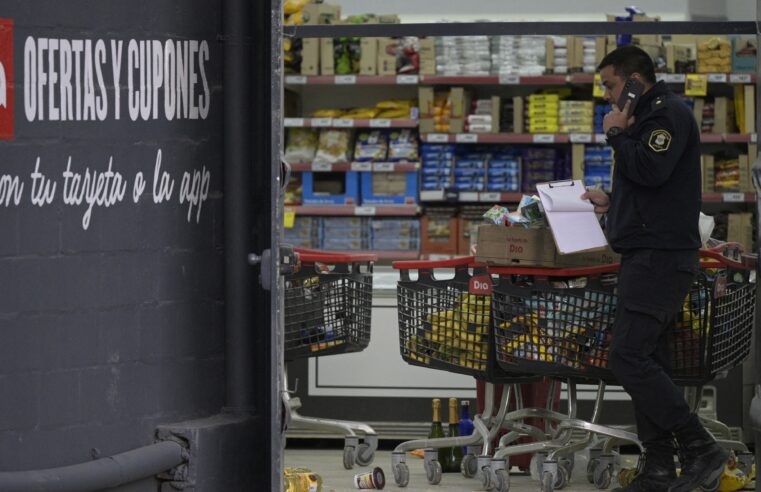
(327, 309)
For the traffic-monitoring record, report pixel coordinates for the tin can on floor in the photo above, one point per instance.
(374, 479)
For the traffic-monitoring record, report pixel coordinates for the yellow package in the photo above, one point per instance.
(394, 113)
(295, 19)
(395, 104)
(327, 113)
(293, 6)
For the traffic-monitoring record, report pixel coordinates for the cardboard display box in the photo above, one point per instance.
(740, 229)
(386, 61)
(708, 173)
(340, 188)
(427, 56)
(321, 13)
(327, 57)
(310, 56)
(389, 188)
(438, 235)
(744, 53)
(518, 246)
(368, 58)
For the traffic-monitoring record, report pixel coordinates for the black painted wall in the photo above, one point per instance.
(110, 321)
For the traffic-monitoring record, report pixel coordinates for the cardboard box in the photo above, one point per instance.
(368, 58)
(459, 99)
(427, 52)
(646, 39)
(577, 161)
(746, 180)
(386, 62)
(496, 108)
(744, 53)
(708, 173)
(310, 56)
(749, 101)
(321, 13)
(517, 246)
(680, 58)
(330, 188)
(721, 115)
(575, 47)
(601, 49)
(389, 188)
(426, 125)
(439, 235)
(697, 110)
(457, 125)
(740, 229)
(327, 57)
(425, 96)
(518, 119)
(467, 234)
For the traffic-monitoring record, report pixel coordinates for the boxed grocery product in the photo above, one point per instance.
(380, 188)
(744, 53)
(714, 55)
(321, 13)
(387, 52)
(740, 229)
(310, 56)
(327, 57)
(371, 145)
(680, 58)
(439, 232)
(368, 61)
(500, 245)
(427, 53)
(333, 188)
(708, 173)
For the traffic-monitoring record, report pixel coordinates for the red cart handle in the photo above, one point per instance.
(555, 272)
(305, 254)
(720, 261)
(454, 262)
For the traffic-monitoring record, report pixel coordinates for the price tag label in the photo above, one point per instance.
(509, 79)
(343, 123)
(696, 84)
(598, 90)
(437, 138)
(289, 218)
(383, 167)
(468, 196)
(361, 166)
(580, 137)
(295, 79)
(432, 195)
(716, 78)
(674, 78)
(345, 79)
(733, 197)
(490, 197)
(380, 123)
(321, 122)
(600, 138)
(293, 122)
(406, 79)
(739, 78)
(364, 210)
(544, 138)
(324, 167)
(466, 138)
(660, 77)
(753, 137)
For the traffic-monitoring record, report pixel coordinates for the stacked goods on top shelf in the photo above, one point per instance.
(518, 55)
(463, 55)
(542, 113)
(714, 56)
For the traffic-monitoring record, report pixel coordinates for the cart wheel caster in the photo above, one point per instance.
(591, 466)
(602, 477)
(536, 465)
(712, 486)
(567, 465)
(486, 480)
(401, 474)
(562, 479)
(349, 457)
(469, 466)
(433, 472)
(503, 480)
(365, 454)
(745, 462)
(547, 485)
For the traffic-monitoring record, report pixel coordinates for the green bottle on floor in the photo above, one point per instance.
(453, 456)
(437, 431)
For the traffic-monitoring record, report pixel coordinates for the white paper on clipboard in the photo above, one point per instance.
(573, 221)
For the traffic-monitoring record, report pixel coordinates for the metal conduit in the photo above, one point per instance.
(98, 474)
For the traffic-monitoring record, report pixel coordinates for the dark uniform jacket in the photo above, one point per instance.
(656, 196)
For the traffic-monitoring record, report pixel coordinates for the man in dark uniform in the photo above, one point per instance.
(653, 222)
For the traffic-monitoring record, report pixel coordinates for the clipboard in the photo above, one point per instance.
(573, 221)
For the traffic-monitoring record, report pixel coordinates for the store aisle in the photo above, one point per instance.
(327, 462)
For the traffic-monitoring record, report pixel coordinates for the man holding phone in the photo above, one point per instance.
(653, 222)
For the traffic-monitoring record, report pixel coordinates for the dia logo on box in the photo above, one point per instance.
(6, 79)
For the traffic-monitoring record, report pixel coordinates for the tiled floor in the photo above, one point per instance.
(328, 463)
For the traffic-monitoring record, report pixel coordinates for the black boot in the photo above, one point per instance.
(657, 472)
(702, 459)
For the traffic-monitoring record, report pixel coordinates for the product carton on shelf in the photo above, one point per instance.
(646, 39)
(368, 58)
(380, 188)
(744, 53)
(386, 61)
(321, 13)
(746, 181)
(516, 246)
(327, 57)
(680, 57)
(427, 53)
(723, 112)
(438, 235)
(740, 229)
(708, 173)
(310, 56)
(330, 188)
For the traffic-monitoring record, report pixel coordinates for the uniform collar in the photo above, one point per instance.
(658, 89)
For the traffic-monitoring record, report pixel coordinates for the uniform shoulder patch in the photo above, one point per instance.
(658, 103)
(659, 140)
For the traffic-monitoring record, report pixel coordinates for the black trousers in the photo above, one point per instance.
(652, 286)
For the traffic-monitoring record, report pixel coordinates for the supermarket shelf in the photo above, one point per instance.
(388, 167)
(385, 255)
(470, 196)
(560, 138)
(351, 210)
(576, 78)
(729, 197)
(349, 123)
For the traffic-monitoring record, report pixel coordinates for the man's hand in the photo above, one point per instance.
(617, 117)
(599, 199)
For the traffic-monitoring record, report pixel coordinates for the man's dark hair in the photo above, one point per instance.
(629, 59)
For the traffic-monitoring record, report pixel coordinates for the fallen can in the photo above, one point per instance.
(370, 480)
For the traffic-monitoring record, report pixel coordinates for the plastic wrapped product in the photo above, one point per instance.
(403, 145)
(334, 146)
(302, 145)
(371, 146)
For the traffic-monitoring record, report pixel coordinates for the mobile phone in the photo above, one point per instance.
(631, 92)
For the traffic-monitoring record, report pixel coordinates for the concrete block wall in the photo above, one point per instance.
(112, 319)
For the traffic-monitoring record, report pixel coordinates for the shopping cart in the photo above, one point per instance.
(327, 308)
(557, 322)
(445, 324)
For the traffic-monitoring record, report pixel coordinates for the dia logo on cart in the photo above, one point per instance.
(6, 79)
(481, 284)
